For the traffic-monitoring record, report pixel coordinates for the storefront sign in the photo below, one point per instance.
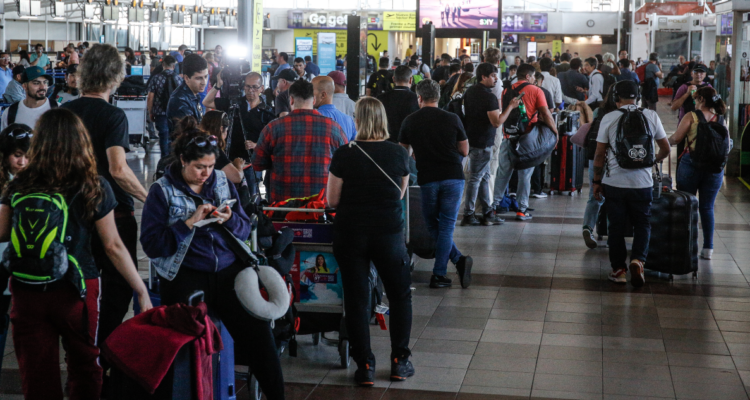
(257, 51)
(326, 52)
(313, 33)
(399, 21)
(330, 19)
(726, 24)
(527, 22)
(303, 47)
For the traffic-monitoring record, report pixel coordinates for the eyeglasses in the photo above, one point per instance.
(203, 141)
(253, 87)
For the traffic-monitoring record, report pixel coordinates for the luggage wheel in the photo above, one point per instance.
(344, 353)
(316, 338)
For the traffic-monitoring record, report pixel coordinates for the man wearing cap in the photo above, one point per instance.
(628, 191)
(27, 111)
(340, 99)
(70, 91)
(283, 80)
(14, 91)
(323, 93)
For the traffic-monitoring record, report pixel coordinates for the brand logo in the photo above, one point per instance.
(330, 20)
(484, 22)
(637, 153)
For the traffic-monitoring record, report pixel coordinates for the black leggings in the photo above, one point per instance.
(354, 251)
(251, 335)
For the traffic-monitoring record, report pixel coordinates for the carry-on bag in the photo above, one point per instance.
(420, 242)
(566, 165)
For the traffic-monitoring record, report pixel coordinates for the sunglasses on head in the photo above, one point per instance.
(203, 141)
(19, 134)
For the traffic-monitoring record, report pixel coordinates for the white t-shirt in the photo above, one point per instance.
(25, 115)
(620, 177)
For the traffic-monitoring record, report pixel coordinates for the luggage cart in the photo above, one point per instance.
(135, 109)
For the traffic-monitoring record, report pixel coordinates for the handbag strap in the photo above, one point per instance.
(354, 143)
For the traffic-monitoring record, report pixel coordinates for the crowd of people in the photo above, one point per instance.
(449, 130)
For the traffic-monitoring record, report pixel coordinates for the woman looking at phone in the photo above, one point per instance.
(190, 257)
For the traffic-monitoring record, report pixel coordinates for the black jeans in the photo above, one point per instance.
(537, 179)
(251, 335)
(624, 204)
(353, 252)
(116, 293)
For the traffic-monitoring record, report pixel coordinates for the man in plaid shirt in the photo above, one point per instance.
(297, 149)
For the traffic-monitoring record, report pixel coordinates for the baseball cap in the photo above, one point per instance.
(32, 73)
(626, 89)
(338, 77)
(699, 68)
(287, 75)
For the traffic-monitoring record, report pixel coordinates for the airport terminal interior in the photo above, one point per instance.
(542, 318)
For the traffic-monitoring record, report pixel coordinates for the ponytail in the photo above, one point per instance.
(712, 100)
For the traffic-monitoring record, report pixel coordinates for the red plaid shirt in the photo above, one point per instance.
(297, 150)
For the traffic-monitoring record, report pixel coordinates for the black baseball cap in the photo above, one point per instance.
(626, 90)
(699, 68)
(288, 75)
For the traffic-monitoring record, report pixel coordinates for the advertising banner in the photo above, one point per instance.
(399, 21)
(726, 23)
(526, 22)
(326, 52)
(455, 14)
(303, 46)
(313, 33)
(317, 278)
(556, 47)
(257, 50)
(327, 19)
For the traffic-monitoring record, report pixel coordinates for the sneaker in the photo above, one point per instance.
(401, 368)
(707, 253)
(439, 282)
(463, 267)
(540, 195)
(588, 237)
(523, 215)
(637, 277)
(619, 276)
(365, 376)
(470, 219)
(492, 219)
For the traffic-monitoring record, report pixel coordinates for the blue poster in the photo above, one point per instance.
(303, 47)
(326, 52)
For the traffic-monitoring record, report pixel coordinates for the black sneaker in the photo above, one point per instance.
(439, 282)
(365, 376)
(492, 219)
(463, 266)
(470, 220)
(401, 368)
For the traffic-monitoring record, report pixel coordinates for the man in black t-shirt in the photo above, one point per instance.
(399, 102)
(439, 143)
(250, 118)
(482, 112)
(108, 127)
(441, 74)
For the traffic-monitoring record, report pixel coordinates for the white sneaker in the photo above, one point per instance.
(540, 195)
(707, 253)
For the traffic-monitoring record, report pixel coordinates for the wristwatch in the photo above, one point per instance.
(599, 182)
(216, 87)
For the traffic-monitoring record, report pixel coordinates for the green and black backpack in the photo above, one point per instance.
(38, 254)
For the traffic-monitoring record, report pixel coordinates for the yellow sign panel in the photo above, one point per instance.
(377, 42)
(313, 33)
(399, 21)
(257, 44)
(556, 47)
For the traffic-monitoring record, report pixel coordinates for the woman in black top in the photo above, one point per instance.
(366, 183)
(62, 166)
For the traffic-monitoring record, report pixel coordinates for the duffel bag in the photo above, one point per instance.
(531, 149)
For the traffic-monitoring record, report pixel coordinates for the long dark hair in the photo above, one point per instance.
(61, 160)
(708, 94)
(8, 146)
(608, 105)
(213, 122)
(24, 55)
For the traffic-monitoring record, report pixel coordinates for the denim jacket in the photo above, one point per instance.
(183, 103)
(181, 207)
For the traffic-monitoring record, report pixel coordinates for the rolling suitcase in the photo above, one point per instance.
(673, 248)
(566, 167)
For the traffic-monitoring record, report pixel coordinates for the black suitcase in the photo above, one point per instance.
(176, 385)
(673, 248)
(420, 242)
(566, 166)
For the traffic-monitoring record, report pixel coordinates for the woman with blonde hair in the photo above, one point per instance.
(367, 179)
(458, 89)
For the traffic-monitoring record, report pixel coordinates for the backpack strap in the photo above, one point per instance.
(12, 111)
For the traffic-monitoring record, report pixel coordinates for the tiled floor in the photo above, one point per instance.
(542, 321)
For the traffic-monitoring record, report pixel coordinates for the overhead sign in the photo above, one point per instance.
(330, 19)
(257, 51)
(526, 22)
(377, 42)
(399, 21)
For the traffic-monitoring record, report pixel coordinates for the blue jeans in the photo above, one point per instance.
(593, 205)
(479, 182)
(162, 125)
(252, 178)
(504, 172)
(624, 204)
(706, 185)
(440, 203)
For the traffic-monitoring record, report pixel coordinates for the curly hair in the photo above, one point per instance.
(61, 160)
(101, 69)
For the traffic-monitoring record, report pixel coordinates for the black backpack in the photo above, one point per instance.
(711, 145)
(634, 148)
(515, 124)
(13, 110)
(384, 84)
(456, 106)
(609, 80)
(170, 85)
